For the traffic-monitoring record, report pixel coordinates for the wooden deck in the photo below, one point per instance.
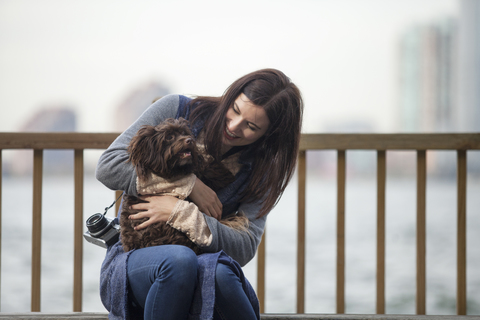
(103, 316)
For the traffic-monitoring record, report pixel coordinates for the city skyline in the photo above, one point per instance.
(342, 54)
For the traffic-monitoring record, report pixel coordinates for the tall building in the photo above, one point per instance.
(468, 119)
(427, 77)
(52, 118)
(136, 102)
(428, 88)
(440, 80)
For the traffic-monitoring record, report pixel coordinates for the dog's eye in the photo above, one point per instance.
(170, 137)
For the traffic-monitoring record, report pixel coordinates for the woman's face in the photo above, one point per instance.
(245, 123)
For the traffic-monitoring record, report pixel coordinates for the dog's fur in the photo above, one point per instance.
(179, 157)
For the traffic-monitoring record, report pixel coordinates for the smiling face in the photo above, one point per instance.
(245, 123)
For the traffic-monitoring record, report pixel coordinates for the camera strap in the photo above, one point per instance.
(106, 208)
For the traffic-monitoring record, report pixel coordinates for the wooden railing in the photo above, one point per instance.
(381, 143)
(39, 142)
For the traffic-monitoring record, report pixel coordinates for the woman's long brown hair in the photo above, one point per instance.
(275, 152)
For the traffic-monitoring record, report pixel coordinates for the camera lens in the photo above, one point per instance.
(96, 223)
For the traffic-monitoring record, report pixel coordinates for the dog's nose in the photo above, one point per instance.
(188, 140)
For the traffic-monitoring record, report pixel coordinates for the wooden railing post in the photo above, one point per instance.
(1, 180)
(461, 232)
(301, 232)
(261, 272)
(341, 177)
(78, 232)
(37, 228)
(381, 182)
(421, 232)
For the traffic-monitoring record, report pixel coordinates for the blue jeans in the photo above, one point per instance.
(162, 281)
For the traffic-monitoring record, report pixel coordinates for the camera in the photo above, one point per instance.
(102, 231)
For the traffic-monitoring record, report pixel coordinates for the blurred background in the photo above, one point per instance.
(363, 66)
(368, 65)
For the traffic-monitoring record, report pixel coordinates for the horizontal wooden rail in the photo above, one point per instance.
(387, 141)
(57, 140)
(391, 141)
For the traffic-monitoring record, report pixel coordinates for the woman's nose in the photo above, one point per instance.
(234, 124)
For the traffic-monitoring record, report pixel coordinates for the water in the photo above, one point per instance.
(57, 246)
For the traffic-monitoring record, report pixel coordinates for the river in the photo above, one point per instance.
(57, 246)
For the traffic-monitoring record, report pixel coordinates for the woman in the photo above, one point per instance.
(254, 130)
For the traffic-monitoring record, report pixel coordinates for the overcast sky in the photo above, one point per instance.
(91, 53)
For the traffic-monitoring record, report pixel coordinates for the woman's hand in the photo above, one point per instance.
(206, 200)
(157, 209)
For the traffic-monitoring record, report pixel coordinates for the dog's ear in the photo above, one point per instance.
(144, 150)
(182, 121)
(184, 124)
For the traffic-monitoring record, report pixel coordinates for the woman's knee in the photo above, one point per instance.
(181, 262)
(163, 262)
(225, 276)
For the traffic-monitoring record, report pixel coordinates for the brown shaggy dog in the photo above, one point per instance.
(179, 158)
